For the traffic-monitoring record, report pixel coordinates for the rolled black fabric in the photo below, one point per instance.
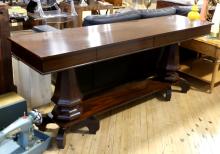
(157, 12)
(118, 17)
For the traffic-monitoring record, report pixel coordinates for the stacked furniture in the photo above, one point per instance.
(10, 102)
(6, 80)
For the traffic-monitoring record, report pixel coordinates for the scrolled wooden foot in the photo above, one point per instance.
(93, 125)
(167, 94)
(46, 119)
(61, 138)
(183, 84)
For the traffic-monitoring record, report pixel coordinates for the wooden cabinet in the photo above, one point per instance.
(6, 79)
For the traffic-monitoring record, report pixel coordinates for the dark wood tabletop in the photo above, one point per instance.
(52, 51)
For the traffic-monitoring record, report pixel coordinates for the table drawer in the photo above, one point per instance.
(125, 48)
(201, 47)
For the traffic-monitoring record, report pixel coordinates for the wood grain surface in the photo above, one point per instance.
(188, 124)
(53, 51)
(116, 97)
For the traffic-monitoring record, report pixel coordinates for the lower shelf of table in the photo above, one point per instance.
(200, 69)
(117, 96)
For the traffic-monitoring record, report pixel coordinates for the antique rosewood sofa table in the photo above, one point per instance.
(63, 51)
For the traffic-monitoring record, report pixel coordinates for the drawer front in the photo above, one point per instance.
(200, 47)
(124, 48)
(76, 59)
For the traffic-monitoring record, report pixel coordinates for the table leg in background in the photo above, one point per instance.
(214, 73)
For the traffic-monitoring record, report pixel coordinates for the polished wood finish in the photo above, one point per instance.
(116, 97)
(6, 77)
(169, 62)
(209, 72)
(188, 124)
(100, 103)
(53, 51)
(67, 96)
(60, 89)
(62, 51)
(168, 66)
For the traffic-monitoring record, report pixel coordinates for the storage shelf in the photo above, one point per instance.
(118, 96)
(200, 69)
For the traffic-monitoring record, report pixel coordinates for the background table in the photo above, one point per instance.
(60, 22)
(98, 5)
(203, 68)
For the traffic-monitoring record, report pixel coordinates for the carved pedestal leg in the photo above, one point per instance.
(66, 92)
(67, 96)
(93, 124)
(46, 120)
(167, 94)
(61, 138)
(184, 84)
(168, 66)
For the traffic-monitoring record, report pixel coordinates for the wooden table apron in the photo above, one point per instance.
(56, 51)
(62, 51)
